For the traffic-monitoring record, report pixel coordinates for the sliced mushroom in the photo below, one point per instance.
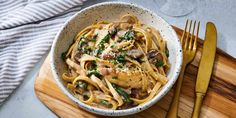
(134, 53)
(113, 30)
(159, 56)
(106, 55)
(152, 53)
(121, 33)
(153, 60)
(78, 56)
(137, 93)
(154, 56)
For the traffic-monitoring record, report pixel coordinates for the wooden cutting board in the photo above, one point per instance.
(220, 100)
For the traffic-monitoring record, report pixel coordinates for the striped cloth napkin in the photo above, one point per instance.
(27, 30)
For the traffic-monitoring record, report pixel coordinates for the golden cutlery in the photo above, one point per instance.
(189, 45)
(205, 67)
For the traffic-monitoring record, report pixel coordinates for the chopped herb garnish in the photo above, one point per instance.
(121, 38)
(99, 51)
(94, 38)
(83, 37)
(101, 45)
(81, 44)
(113, 61)
(120, 66)
(129, 35)
(86, 50)
(120, 50)
(122, 93)
(113, 45)
(106, 39)
(104, 102)
(159, 63)
(63, 56)
(93, 65)
(167, 51)
(94, 72)
(114, 77)
(121, 59)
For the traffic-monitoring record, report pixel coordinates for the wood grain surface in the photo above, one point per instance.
(220, 100)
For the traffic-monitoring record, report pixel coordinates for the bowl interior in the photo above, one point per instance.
(112, 11)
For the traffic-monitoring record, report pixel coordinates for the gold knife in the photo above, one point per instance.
(205, 67)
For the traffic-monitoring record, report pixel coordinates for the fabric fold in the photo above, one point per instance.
(27, 30)
(34, 10)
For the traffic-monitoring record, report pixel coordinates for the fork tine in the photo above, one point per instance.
(184, 32)
(196, 37)
(187, 38)
(191, 39)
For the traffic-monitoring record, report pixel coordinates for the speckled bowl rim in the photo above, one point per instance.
(124, 111)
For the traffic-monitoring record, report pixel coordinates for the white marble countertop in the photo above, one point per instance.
(24, 104)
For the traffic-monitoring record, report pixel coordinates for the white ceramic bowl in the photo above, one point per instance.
(112, 11)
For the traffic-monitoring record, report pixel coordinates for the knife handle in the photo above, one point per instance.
(197, 105)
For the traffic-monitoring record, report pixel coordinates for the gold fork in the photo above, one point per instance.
(189, 46)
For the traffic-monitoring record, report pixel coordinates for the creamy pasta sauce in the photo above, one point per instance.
(116, 65)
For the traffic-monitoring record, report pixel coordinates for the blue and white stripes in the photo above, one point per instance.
(27, 30)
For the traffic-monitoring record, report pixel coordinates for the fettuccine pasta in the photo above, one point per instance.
(117, 65)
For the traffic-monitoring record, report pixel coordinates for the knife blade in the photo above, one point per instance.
(207, 59)
(205, 67)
